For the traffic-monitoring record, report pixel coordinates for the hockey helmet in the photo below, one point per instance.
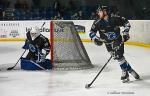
(103, 8)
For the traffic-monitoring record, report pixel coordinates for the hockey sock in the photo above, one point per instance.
(124, 64)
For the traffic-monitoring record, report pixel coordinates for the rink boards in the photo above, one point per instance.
(16, 30)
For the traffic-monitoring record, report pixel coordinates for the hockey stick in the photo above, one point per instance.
(89, 85)
(42, 25)
(10, 68)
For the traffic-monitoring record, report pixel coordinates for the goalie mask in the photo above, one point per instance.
(35, 32)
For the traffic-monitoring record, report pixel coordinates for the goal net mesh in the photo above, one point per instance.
(67, 49)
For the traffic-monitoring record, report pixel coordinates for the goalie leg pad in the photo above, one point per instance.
(31, 65)
(47, 64)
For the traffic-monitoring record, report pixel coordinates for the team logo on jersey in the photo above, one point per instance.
(32, 48)
(111, 35)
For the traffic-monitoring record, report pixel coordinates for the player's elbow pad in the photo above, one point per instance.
(92, 35)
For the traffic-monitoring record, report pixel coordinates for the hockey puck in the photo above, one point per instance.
(87, 86)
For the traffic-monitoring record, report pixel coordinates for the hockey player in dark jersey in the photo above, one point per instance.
(38, 46)
(108, 25)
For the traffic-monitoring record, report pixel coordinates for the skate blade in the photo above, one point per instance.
(125, 80)
(139, 79)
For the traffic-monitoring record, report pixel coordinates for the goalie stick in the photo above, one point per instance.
(10, 68)
(42, 25)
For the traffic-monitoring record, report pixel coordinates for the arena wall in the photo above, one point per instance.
(15, 30)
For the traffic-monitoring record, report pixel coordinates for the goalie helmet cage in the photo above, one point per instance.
(67, 49)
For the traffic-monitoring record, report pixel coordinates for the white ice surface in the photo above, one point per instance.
(72, 83)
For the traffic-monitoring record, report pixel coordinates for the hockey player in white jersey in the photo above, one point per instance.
(108, 26)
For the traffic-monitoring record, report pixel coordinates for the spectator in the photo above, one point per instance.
(75, 16)
(9, 14)
(36, 3)
(23, 5)
(93, 16)
(72, 5)
(59, 17)
(80, 15)
(56, 7)
(2, 4)
(18, 4)
(1, 14)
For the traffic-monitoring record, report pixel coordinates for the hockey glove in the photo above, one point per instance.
(98, 42)
(126, 37)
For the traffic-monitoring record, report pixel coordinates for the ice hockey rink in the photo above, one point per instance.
(72, 83)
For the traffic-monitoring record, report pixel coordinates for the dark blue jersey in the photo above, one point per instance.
(38, 44)
(109, 30)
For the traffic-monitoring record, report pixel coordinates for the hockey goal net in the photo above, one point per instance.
(67, 49)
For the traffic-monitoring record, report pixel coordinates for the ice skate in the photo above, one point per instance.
(134, 74)
(125, 76)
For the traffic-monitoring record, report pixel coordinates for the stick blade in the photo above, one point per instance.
(10, 68)
(87, 86)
